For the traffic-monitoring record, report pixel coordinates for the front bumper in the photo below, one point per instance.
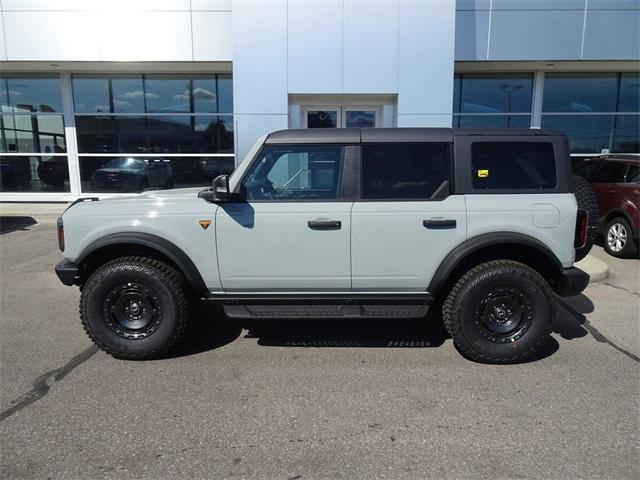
(572, 281)
(67, 272)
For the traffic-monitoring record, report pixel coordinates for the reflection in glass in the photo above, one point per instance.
(34, 174)
(587, 133)
(322, 119)
(138, 93)
(361, 118)
(155, 134)
(492, 121)
(492, 93)
(30, 93)
(580, 92)
(626, 134)
(135, 174)
(32, 134)
(629, 99)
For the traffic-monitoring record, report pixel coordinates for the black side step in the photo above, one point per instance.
(325, 311)
(323, 299)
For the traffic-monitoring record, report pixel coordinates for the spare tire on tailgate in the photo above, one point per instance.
(586, 201)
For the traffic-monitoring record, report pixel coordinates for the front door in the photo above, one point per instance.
(341, 117)
(406, 222)
(292, 232)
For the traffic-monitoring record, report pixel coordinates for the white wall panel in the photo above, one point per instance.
(3, 49)
(141, 35)
(370, 46)
(472, 34)
(315, 46)
(612, 35)
(216, 5)
(51, 36)
(426, 56)
(212, 40)
(128, 5)
(25, 5)
(424, 121)
(260, 56)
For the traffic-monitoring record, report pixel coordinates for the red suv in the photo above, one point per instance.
(616, 182)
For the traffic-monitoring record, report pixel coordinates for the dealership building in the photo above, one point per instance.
(108, 97)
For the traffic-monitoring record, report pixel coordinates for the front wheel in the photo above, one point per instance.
(134, 308)
(499, 312)
(618, 239)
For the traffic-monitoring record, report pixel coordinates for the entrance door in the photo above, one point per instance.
(292, 232)
(341, 116)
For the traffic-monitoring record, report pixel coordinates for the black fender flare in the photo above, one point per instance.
(473, 244)
(159, 244)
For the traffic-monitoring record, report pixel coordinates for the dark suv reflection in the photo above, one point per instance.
(127, 174)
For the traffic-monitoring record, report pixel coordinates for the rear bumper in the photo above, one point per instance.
(67, 272)
(572, 281)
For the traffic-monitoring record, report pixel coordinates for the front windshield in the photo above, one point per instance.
(126, 163)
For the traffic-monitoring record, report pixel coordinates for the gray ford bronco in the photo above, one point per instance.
(343, 223)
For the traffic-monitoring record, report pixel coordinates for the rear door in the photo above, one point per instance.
(406, 221)
(607, 185)
(292, 232)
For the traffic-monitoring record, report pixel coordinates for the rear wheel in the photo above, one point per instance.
(499, 312)
(618, 239)
(134, 308)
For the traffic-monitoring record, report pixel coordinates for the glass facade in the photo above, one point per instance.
(599, 112)
(498, 100)
(33, 148)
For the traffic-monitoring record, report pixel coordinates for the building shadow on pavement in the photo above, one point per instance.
(11, 224)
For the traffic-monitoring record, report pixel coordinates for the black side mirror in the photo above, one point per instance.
(219, 191)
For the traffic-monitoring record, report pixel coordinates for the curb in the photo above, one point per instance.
(44, 213)
(596, 268)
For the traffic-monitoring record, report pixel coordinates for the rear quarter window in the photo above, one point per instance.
(513, 165)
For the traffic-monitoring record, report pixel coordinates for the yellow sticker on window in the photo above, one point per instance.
(483, 173)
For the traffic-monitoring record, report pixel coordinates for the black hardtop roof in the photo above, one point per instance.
(399, 135)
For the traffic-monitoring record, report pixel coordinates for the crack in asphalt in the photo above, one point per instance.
(595, 333)
(621, 288)
(43, 383)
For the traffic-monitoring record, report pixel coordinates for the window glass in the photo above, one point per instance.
(513, 165)
(586, 168)
(155, 134)
(492, 121)
(418, 171)
(167, 93)
(611, 172)
(204, 95)
(32, 134)
(301, 172)
(493, 93)
(360, 118)
(128, 94)
(629, 100)
(322, 119)
(626, 134)
(225, 93)
(134, 174)
(587, 133)
(30, 93)
(34, 174)
(91, 94)
(633, 174)
(580, 92)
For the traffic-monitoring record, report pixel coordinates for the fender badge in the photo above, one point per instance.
(204, 223)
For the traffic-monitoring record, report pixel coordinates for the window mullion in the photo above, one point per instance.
(538, 92)
(70, 134)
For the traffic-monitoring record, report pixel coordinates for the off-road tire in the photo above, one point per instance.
(469, 293)
(587, 200)
(168, 292)
(630, 249)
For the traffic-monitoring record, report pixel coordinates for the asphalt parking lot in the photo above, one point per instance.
(305, 399)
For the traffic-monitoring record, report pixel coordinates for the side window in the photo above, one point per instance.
(513, 165)
(633, 174)
(295, 172)
(586, 169)
(405, 171)
(611, 172)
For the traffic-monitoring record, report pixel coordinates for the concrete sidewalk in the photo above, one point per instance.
(47, 213)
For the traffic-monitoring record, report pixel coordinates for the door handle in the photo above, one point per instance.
(439, 224)
(324, 224)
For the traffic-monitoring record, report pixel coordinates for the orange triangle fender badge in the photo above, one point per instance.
(204, 223)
